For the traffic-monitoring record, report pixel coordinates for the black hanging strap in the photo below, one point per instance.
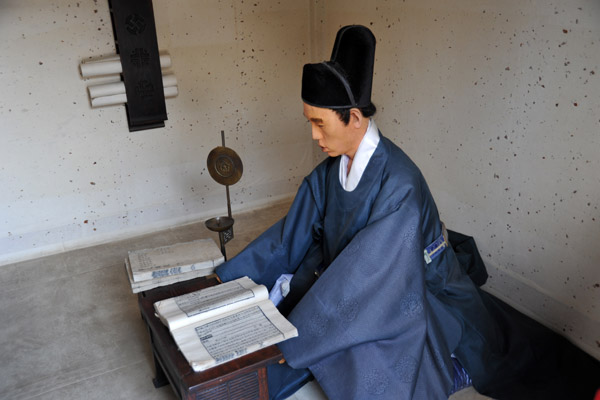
(135, 37)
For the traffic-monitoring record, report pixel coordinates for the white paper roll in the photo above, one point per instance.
(117, 99)
(113, 100)
(112, 65)
(171, 91)
(111, 89)
(169, 80)
(107, 89)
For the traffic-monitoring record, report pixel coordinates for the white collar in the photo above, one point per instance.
(363, 154)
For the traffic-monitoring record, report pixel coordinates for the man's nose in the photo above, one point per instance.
(316, 135)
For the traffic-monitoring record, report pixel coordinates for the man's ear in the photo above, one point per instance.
(356, 118)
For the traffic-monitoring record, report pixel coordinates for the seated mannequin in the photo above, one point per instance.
(383, 307)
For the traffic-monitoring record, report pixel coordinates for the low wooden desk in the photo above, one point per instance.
(242, 378)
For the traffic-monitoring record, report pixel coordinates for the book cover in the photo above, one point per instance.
(175, 259)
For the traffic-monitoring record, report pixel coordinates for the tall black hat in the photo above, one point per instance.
(346, 80)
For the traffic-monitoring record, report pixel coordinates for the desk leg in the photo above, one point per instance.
(263, 384)
(160, 378)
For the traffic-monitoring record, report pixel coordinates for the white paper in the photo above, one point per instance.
(225, 337)
(137, 287)
(115, 88)
(111, 66)
(206, 303)
(118, 99)
(174, 259)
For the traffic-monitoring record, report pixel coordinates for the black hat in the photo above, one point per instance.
(346, 80)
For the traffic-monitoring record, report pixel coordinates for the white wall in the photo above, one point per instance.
(498, 102)
(74, 176)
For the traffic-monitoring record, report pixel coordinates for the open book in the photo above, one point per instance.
(217, 324)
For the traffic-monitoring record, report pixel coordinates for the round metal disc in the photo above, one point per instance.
(224, 165)
(219, 224)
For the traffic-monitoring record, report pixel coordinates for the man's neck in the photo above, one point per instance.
(360, 134)
(359, 138)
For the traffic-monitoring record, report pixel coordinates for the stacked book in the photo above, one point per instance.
(150, 268)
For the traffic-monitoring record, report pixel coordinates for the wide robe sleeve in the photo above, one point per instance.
(366, 329)
(282, 247)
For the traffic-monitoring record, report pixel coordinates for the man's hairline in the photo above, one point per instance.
(335, 110)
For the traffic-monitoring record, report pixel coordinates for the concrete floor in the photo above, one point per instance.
(71, 327)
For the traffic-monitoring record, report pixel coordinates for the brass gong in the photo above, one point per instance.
(224, 165)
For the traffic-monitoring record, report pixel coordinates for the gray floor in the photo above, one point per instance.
(71, 327)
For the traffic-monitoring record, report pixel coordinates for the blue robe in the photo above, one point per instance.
(378, 322)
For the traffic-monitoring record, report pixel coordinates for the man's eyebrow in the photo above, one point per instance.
(314, 119)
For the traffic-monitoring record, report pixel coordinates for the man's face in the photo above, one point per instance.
(329, 131)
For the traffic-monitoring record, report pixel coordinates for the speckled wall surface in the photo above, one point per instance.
(498, 102)
(75, 176)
